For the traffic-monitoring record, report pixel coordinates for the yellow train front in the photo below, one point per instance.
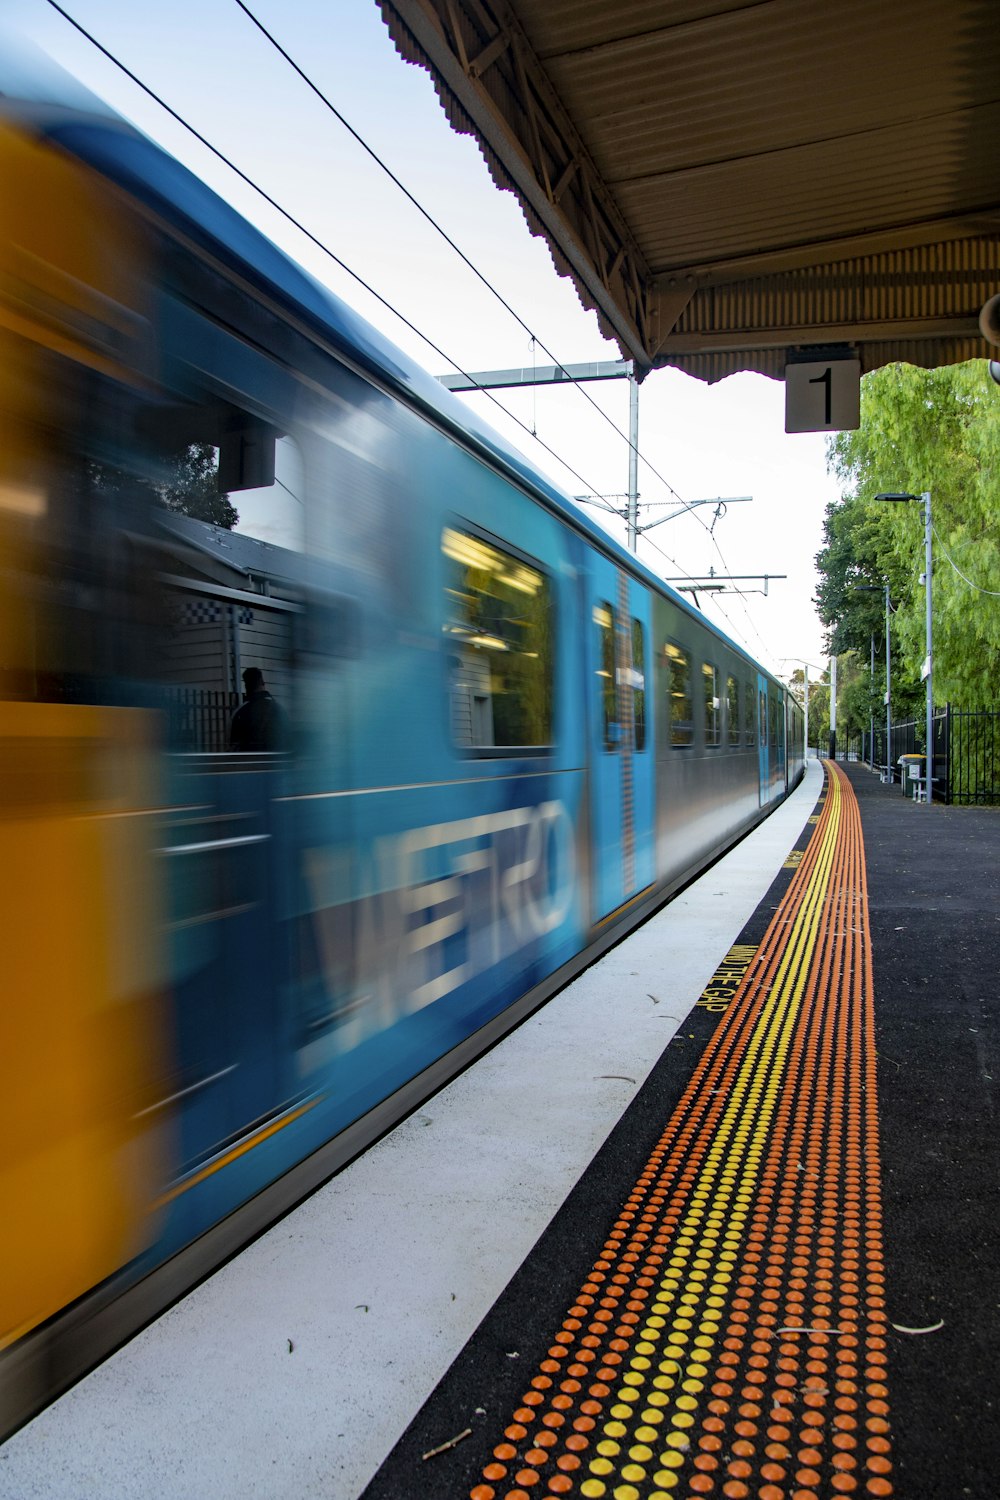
(501, 740)
(81, 1057)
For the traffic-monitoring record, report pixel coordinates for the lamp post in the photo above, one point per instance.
(927, 672)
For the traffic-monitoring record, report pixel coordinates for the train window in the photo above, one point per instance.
(499, 628)
(604, 619)
(709, 685)
(245, 614)
(749, 714)
(680, 696)
(763, 718)
(639, 684)
(733, 710)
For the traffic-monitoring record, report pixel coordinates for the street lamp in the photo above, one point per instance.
(927, 671)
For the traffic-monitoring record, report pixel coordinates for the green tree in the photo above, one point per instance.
(192, 488)
(936, 430)
(185, 482)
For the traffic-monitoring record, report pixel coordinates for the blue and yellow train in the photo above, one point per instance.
(503, 740)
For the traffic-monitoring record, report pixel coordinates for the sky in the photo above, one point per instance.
(207, 60)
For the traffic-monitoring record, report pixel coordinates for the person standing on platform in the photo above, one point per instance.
(259, 723)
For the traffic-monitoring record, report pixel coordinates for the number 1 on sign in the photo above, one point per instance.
(834, 407)
(826, 379)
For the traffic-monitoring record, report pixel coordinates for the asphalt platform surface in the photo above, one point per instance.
(934, 903)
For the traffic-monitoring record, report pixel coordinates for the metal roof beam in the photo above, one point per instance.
(899, 330)
(817, 255)
(493, 84)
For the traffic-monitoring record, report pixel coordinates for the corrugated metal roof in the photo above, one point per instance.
(725, 181)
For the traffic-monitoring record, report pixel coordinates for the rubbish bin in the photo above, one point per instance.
(911, 769)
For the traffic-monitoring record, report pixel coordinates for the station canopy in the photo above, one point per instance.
(731, 183)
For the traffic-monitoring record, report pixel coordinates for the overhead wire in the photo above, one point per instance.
(448, 239)
(992, 593)
(535, 341)
(320, 245)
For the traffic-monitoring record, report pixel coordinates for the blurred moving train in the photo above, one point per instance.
(507, 741)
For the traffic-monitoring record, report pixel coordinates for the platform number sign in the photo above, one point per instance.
(824, 396)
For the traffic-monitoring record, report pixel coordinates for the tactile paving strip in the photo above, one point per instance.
(730, 1338)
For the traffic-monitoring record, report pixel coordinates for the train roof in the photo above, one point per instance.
(124, 155)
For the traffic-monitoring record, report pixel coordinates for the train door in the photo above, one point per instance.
(780, 767)
(763, 743)
(621, 808)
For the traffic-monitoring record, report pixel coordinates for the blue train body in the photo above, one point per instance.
(507, 739)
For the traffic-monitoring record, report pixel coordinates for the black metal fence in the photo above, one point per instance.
(200, 718)
(966, 753)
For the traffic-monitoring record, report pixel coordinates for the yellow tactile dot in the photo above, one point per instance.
(608, 1449)
(616, 1429)
(678, 1440)
(621, 1411)
(670, 1460)
(593, 1489)
(601, 1466)
(639, 1454)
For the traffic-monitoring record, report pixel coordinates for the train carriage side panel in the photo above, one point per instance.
(706, 789)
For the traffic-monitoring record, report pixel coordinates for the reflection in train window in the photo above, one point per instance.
(236, 583)
(498, 627)
(639, 684)
(604, 619)
(749, 714)
(680, 699)
(733, 710)
(763, 718)
(709, 683)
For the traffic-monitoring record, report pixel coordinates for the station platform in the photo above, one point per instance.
(720, 1219)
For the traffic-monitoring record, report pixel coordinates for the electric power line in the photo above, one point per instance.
(447, 238)
(244, 177)
(513, 312)
(978, 587)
